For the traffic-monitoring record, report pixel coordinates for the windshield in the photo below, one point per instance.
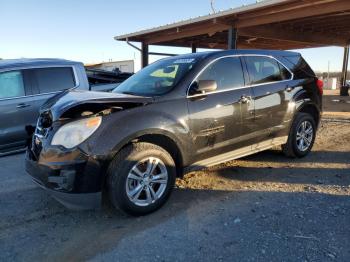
(158, 78)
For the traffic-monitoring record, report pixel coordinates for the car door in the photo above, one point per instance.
(217, 119)
(15, 109)
(270, 86)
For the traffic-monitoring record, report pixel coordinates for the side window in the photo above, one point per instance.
(11, 84)
(54, 79)
(285, 74)
(227, 72)
(265, 70)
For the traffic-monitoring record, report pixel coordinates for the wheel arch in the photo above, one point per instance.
(311, 109)
(160, 138)
(168, 144)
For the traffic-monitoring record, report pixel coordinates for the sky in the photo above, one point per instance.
(83, 30)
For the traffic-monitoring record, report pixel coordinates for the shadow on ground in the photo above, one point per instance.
(203, 224)
(320, 168)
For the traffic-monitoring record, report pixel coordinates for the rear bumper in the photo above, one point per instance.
(75, 183)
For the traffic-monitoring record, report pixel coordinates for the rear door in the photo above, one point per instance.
(15, 109)
(216, 118)
(270, 81)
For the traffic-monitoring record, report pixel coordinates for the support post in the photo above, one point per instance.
(144, 55)
(194, 48)
(344, 90)
(232, 38)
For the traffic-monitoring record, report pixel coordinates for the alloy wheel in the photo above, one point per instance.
(147, 181)
(305, 135)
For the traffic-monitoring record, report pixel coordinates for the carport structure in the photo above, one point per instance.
(274, 24)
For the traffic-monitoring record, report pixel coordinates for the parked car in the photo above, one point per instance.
(25, 84)
(176, 115)
(344, 90)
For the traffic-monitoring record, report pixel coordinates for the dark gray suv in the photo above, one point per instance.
(178, 114)
(25, 84)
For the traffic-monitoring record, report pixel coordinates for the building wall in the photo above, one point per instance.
(127, 66)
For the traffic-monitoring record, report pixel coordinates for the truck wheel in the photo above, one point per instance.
(301, 137)
(141, 178)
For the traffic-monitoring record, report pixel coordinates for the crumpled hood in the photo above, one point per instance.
(66, 100)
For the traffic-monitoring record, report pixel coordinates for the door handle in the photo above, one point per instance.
(289, 89)
(22, 105)
(245, 99)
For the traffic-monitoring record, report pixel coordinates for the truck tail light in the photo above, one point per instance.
(319, 84)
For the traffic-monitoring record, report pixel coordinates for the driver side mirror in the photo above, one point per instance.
(203, 87)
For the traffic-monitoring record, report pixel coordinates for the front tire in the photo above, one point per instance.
(141, 178)
(301, 137)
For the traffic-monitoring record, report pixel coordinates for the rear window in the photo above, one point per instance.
(54, 79)
(265, 70)
(300, 66)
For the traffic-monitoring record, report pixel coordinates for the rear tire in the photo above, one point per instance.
(301, 137)
(141, 178)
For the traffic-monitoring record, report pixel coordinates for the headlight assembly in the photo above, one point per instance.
(72, 134)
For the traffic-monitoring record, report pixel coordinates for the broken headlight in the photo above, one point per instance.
(72, 134)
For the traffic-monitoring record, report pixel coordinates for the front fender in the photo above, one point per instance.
(120, 128)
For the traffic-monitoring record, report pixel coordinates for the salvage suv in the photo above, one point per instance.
(174, 116)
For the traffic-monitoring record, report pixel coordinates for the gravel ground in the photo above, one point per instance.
(261, 208)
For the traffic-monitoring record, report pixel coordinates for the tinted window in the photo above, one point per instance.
(227, 72)
(301, 68)
(265, 70)
(11, 84)
(285, 74)
(54, 79)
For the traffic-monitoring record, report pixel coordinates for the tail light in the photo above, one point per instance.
(319, 84)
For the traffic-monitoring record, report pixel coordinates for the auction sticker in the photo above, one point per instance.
(184, 61)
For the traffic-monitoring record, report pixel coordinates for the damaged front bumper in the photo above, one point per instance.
(72, 178)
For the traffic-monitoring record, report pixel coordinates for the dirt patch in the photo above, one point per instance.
(271, 171)
(264, 207)
(335, 106)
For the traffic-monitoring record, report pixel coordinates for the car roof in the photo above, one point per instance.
(34, 62)
(209, 54)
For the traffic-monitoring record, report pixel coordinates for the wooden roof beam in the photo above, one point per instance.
(243, 42)
(320, 9)
(288, 34)
(290, 6)
(209, 29)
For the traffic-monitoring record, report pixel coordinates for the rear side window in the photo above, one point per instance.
(285, 74)
(300, 66)
(227, 72)
(265, 70)
(11, 84)
(54, 79)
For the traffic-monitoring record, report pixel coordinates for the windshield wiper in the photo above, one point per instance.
(131, 93)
